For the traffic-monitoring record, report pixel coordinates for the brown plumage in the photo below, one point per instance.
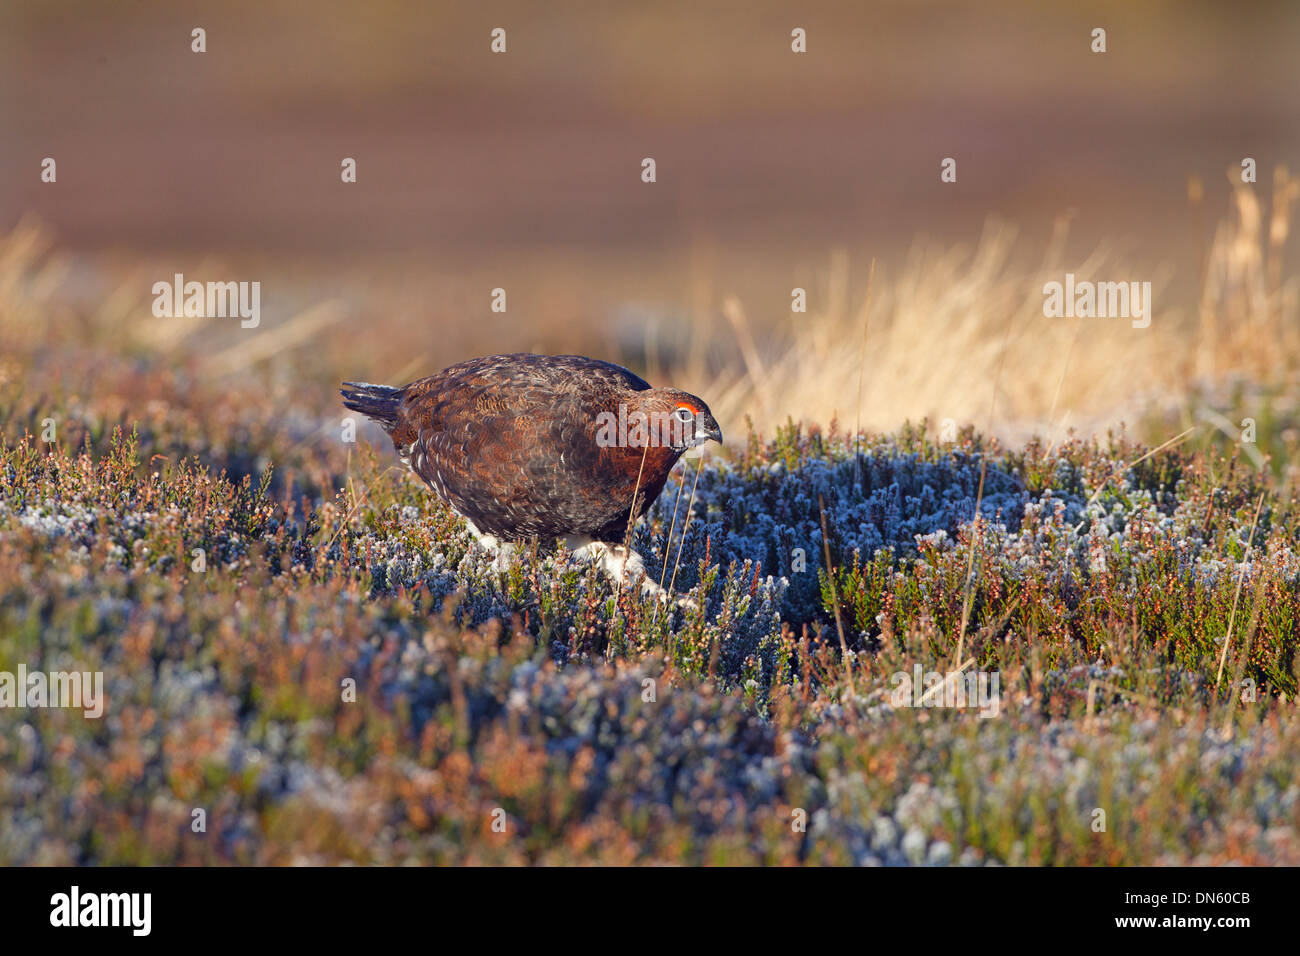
(543, 446)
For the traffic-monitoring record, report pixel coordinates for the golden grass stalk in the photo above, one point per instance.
(1232, 617)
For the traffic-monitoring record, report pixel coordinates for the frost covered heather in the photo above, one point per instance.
(346, 678)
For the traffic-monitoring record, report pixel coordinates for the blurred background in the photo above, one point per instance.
(775, 170)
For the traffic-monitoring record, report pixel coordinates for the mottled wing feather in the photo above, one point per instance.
(510, 442)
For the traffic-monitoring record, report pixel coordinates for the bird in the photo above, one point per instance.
(526, 446)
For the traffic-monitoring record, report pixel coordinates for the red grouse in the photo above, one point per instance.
(544, 446)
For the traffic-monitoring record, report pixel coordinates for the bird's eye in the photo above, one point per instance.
(684, 414)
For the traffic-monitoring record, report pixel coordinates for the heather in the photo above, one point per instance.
(346, 677)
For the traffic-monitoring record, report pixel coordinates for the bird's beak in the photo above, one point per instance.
(706, 430)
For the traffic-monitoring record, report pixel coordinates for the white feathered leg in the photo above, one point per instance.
(502, 552)
(623, 566)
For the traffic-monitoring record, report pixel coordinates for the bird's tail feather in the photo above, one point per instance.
(379, 402)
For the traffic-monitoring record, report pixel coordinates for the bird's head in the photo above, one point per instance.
(685, 420)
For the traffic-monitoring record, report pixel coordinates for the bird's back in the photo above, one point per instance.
(510, 442)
